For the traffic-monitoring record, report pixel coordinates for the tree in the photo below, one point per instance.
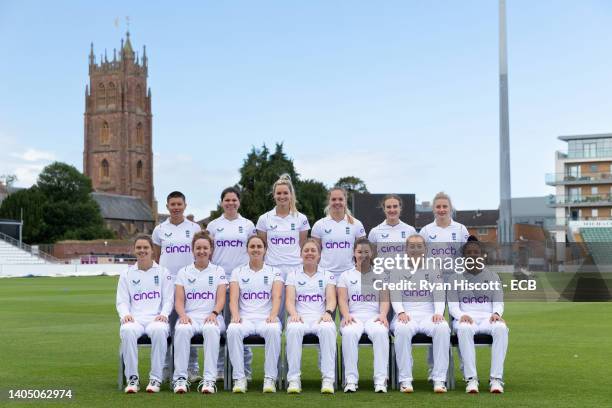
(258, 173)
(58, 207)
(352, 185)
(30, 203)
(8, 179)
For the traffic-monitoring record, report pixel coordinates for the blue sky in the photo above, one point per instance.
(403, 94)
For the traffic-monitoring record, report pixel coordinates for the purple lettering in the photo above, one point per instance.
(416, 293)
(310, 298)
(146, 295)
(185, 248)
(363, 298)
(475, 299)
(262, 295)
(337, 245)
(282, 241)
(200, 296)
(233, 243)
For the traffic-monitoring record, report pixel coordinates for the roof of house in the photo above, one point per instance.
(122, 207)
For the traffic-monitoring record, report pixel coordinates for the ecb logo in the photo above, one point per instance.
(187, 232)
(210, 281)
(292, 227)
(266, 280)
(348, 230)
(240, 229)
(454, 236)
(320, 283)
(403, 234)
(156, 279)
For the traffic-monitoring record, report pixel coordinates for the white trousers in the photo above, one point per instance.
(193, 354)
(326, 332)
(421, 323)
(271, 332)
(182, 346)
(130, 332)
(466, 332)
(379, 335)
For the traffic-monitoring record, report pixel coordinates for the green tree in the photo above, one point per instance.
(258, 173)
(30, 203)
(352, 185)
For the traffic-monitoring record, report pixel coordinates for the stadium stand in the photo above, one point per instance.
(599, 243)
(14, 253)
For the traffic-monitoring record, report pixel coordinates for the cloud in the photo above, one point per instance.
(33, 155)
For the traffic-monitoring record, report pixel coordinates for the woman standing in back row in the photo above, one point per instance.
(337, 233)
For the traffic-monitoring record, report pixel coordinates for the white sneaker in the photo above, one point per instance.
(350, 387)
(240, 386)
(181, 385)
(327, 386)
(472, 386)
(406, 386)
(154, 386)
(269, 385)
(193, 375)
(207, 387)
(294, 387)
(496, 386)
(439, 387)
(380, 388)
(133, 385)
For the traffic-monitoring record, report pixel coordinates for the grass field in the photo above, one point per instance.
(60, 333)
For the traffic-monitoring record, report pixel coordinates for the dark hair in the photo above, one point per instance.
(265, 244)
(175, 194)
(472, 240)
(144, 237)
(364, 241)
(230, 190)
(203, 235)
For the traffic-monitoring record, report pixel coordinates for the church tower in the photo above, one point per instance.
(118, 154)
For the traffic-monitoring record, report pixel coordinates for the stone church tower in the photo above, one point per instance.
(118, 154)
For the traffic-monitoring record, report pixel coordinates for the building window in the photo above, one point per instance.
(112, 94)
(139, 169)
(483, 231)
(104, 134)
(593, 168)
(589, 150)
(139, 134)
(573, 172)
(594, 212)
(101, 99)
(594, 190)
(104, 169)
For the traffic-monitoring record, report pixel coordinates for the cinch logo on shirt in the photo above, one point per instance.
(200, 295)
(416, 293)
(337, 245)
(185, 248)
(146, 295)
(229, 243)
(475, 299)
(261, 295)
(363, 298)
(310, 298)
(392, 248)
(283, 241)
(444, 251)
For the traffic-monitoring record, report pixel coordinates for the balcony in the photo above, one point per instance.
(590, 200)
(558, 179)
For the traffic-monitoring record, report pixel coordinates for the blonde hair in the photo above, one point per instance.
(285, 180)
(442, 196)
(347, 212)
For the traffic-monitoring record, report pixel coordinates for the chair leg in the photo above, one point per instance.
(337, 367)
(120, 371)
(227, 371)
(450, 376)
(392, 367)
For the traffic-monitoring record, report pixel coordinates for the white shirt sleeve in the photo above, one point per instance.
(290, 281)
(439, 295)
(342, 281)
(330, 278)
(317, 229)
(167, 293)
(180, 277)
(359, 230)
(372, 235)
(235, 273)
(222, 277)
(155, 236)
(453, 300)
(211, 228)
(304, 224)
(464, 233)
(423, 233)
(251, 229)
(278, 276)
(123, 296)
(262, 224)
